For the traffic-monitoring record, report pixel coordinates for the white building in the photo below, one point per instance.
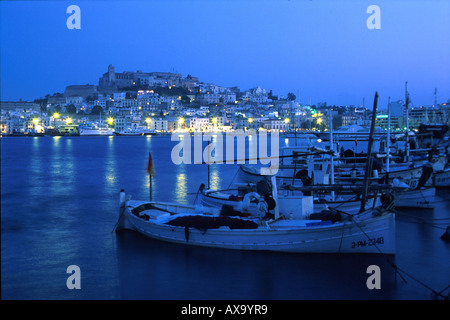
(126, 122)
(211, 98)
(158, 125)
(198, 124)
(275, 125)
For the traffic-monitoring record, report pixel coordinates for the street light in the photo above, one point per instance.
(110, 121)
(56, 115)
(319, 122)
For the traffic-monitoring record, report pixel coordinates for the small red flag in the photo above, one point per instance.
(150, 167)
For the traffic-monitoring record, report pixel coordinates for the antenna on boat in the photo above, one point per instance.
(388, 140)
(209, 176)
(369, 155)
(332, 149)
(407, 122)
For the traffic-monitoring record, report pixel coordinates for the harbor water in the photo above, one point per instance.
(59, 205)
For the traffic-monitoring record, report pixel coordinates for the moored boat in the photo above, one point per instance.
(287, 230)
(128, 133)
(441, 179)
(94, 130)
(368, 232)
(418, 198)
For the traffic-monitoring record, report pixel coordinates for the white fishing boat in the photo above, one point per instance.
(372, 231)
(244, 198)
(94, 129)
(129, 132)
(297, 165)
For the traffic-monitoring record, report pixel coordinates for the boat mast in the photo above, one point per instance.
(388, 148)
(332, 150)
(369, 155)
(407, 122)
(295, 123)
(275, 197)
(209, 175)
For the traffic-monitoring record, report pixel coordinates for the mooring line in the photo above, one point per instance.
(398, 270)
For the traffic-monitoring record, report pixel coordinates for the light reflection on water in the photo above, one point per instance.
(215, 180)
(36, 167)
(181, 188)
(110, 165)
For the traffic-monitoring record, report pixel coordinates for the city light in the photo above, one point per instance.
(148, 120)
(214, 120)
(180, 120)
(69, 120)
(35, 121)
(56, 115)
(250, 120)
(286, 120)
(110, 121)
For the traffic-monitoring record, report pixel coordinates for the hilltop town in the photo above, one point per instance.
(164, 102)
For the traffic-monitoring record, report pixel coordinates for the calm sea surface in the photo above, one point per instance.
(59, 204)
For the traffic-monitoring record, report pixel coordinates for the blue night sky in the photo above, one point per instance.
(320, 50)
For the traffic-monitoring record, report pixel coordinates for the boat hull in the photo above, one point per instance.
(128, 134)
(371, 234)
(88, 132)
(441, 179)
(251, 174)
(421, 198)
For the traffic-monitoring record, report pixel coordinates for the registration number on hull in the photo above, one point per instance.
(367, 242)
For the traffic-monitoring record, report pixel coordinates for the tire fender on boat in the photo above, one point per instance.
(247, 198)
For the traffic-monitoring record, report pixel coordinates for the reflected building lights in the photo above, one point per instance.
(214, 178)
(181, 188)
(110, 165)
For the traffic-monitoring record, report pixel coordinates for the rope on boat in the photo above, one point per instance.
(399, 271)
(233, 178)
(423, 197)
